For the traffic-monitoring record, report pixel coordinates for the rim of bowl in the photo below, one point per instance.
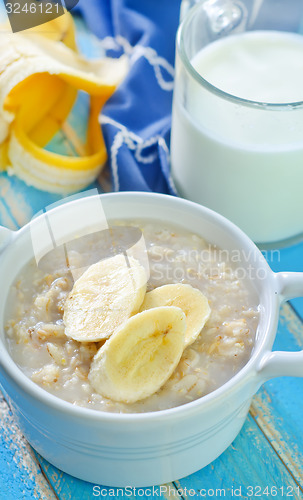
(37, 392)
(262, 105)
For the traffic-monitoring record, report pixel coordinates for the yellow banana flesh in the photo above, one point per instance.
(42, 132)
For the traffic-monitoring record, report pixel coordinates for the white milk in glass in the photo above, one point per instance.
(244, 161)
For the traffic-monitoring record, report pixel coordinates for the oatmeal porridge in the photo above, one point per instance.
(42, 320)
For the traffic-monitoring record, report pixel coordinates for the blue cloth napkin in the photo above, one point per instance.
(136, 120)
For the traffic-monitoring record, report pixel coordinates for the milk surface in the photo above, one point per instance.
(245, 162)
(262, 66)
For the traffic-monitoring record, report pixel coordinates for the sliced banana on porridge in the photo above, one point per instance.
(141, 356)
(103, 298)
(190, 300)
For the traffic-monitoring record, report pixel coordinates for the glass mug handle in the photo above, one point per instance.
(186, 5)
(225, 13)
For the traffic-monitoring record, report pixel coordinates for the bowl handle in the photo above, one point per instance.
(5, 237)
(277, 363)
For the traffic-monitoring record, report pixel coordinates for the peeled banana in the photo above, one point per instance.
(140, 357)
(190, 300)
(38, 86)
(103, 298)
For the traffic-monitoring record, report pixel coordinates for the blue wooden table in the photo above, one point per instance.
(264, 461)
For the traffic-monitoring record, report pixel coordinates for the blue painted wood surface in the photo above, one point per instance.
(268, 451)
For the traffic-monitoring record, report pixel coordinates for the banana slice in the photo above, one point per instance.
(141, 356)
(190, 300)
(103, 298)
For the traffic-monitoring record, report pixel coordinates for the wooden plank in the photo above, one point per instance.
(20, 473)
(278, 406)
(71, 488)
(249, 462)
(281, 436)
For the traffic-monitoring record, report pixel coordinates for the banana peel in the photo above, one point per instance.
(38, 86)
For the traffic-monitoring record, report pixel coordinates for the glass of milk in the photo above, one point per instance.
(237, 125)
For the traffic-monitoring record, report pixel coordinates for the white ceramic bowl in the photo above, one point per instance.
(158, 447)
